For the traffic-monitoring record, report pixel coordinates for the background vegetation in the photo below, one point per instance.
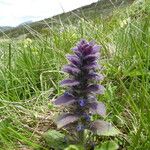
(30, 71)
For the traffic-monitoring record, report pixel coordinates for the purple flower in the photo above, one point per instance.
(82, 102)
(82, 88)
(80, 127)
(86, 117)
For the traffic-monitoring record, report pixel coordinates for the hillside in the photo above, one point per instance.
(4, 28)
(93, 11)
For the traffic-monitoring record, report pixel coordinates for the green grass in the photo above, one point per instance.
(31, 71)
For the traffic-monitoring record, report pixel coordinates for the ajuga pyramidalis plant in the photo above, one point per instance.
(80, 96)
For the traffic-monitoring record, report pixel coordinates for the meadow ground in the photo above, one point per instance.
(30, 72)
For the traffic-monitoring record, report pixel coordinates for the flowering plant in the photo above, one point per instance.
(80, 96)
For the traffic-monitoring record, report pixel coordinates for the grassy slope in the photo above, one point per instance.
(93, 11)
(30, 72)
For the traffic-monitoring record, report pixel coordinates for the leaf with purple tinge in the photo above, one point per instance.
(69, 82)
(87, 50)
(91, 99)
(96, 49)
(95, 76)
(78, 54)
(65, 120)
(91, 58)
(75, 48)
(64, 100)
(85, 46)
(98, 107)
(93, 65)
(80, 48)
(92, 43)
(82, 41)
(71, 69)
(99, 89)
(104, 128)
(74, 60)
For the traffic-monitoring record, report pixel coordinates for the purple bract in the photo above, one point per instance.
(81, 89)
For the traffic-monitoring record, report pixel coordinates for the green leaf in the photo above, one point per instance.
(109, 145)
(74, 147)
(104, 128)
(50, 106)
(55, 139)
(111, 132)
(135, 73)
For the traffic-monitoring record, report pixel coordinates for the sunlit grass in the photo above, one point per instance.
(30, 71)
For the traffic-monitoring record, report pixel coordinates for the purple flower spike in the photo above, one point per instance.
(82, 87)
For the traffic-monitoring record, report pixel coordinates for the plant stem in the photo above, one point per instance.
(81, 137)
